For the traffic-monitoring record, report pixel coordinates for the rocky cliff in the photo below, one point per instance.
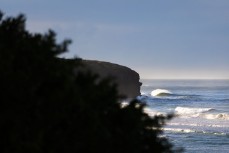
(126, 79)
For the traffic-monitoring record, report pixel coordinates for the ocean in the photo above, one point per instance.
(201, 107)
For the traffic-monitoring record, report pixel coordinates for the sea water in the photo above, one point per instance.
(201, 108)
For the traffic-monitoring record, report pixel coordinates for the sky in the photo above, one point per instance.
(160, 39)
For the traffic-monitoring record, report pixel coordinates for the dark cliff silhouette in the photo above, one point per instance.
(127, 80)
(45, 107)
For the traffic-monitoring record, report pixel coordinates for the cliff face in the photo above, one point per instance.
(126, 79)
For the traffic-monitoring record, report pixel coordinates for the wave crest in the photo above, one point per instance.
(161, 92)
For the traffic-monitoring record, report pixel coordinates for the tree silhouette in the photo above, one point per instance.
(45, 106)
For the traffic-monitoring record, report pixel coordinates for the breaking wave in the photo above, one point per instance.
(200, 112)
(161, 92)
(181, 130)
(198, 124)
(222, 116)
(189, 110)
(167, 94)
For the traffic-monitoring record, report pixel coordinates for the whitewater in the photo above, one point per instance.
(201, 108)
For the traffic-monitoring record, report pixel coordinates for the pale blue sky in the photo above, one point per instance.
(164, 39)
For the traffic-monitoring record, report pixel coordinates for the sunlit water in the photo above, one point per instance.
(202, 109)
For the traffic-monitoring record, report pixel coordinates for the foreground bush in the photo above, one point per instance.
(46, 107)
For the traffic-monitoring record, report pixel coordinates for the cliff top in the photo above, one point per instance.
(126, 78)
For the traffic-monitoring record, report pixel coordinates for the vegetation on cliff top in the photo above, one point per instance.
(45, 107)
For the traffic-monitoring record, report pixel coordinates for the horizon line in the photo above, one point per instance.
(184, 79)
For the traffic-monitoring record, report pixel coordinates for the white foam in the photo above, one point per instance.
(153, 113)
(159, 92)
(189, 110)
(199, 125)
(181, 130)
(183, 124)
(223, 116)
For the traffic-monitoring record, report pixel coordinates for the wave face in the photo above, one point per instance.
(161, 92)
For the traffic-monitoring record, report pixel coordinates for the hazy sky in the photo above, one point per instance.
(157, 38)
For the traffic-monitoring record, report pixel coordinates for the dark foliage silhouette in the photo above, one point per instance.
(45, 106)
